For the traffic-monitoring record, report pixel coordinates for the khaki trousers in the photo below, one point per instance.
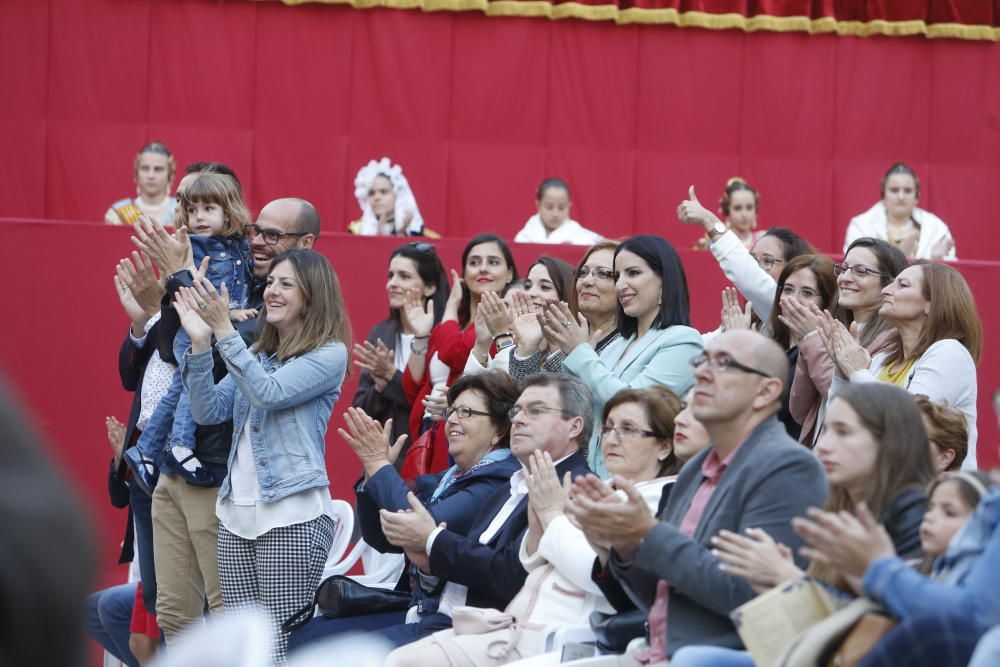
(185, 544)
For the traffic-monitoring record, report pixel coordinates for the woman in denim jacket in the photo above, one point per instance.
(275, 529)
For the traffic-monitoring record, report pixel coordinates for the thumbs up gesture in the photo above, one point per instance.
(691, 212)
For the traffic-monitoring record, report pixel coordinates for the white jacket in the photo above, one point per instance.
(754, 283)
(873, 222)
(945, 373)
(571, 232)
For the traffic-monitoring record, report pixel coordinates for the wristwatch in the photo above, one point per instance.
(504, 344)
(716, 230)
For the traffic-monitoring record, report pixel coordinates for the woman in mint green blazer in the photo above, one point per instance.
(654, 320)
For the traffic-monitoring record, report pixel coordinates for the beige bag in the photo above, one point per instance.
(479, 621)
(811, 647)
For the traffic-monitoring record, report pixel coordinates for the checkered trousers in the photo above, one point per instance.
(279, 571)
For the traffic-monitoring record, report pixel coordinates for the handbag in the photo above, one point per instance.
(615, 631)
(824, 639)
(417, 460)
(340, 596)
(859, 641)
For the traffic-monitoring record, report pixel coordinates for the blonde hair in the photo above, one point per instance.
(215, 189)
(157, 148)
(324, 316)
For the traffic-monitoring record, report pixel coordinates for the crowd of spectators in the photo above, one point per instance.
(552, 452)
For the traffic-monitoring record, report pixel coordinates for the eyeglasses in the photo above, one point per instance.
(723, 364)
(627, 432)
(533, 411)
(805, 292)
(599, 274)
(271, 236)
(463, 412)
(860, 270)
(767, 261)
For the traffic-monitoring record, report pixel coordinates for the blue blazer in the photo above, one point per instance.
(457, 506)
(661, 357)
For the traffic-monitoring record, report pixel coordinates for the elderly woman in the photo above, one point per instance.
(478, 429)
(388, 206)
(637, 445)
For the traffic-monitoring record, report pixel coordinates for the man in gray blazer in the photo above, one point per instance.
(752, 475)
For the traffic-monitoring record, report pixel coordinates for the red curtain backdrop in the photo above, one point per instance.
(960, 19)
(478, 110)
(64, 327)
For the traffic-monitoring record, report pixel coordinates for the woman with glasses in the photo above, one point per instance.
(549, 280)
(415, 270)
(934, 348)
(869, 265)
(806, 281)
(654, 322)
(638, 445)
(595, 300)
(478, 429)
(753, 271)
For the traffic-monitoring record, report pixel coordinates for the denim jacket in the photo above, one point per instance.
(287, 404)
(230, 264)
(968, 588)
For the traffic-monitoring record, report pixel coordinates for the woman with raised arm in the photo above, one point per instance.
(275, 529)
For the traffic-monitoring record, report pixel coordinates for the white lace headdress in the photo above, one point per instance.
(406, 203)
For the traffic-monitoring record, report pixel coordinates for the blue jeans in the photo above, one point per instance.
(142, 514)
(108, 617)
(710, 656)
(322, 627)
(153, 438)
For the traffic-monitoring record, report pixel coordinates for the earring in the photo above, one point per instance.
(659, 299)
(927, 311)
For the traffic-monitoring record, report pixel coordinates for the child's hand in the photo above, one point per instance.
(243, 314)
(116, 435)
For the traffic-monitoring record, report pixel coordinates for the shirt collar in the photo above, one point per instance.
(712, 467)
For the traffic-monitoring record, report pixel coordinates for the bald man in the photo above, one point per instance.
(752, 475)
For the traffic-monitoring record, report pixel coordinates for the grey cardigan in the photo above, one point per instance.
(771, 479)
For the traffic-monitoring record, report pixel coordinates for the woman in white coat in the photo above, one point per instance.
(897, 219)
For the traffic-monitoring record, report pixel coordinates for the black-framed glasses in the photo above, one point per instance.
(767, 261)
(859, 270)
(723, 364)
(271, 236)
(533, 411)
(627, 432)
(463, 412)
(598, 273)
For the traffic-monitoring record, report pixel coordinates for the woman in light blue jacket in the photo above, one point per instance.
(275, 530)
(654, 320)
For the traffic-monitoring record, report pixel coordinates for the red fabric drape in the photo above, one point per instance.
(479, 110)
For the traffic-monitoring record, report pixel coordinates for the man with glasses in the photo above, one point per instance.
(554, 414)
(752, 475)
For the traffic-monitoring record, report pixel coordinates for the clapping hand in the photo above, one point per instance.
(419, 316)
(526, 328)
(378, 360)
(116, 436)
(170, 252)
(842, 540)
(408, 529)
(454, 297)
(800, 319)
(564, 329)
(842, 345)
(546, 496)
(369, 440)
(733, 315)
(604, 517)
(756, 557)
(495, 313)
